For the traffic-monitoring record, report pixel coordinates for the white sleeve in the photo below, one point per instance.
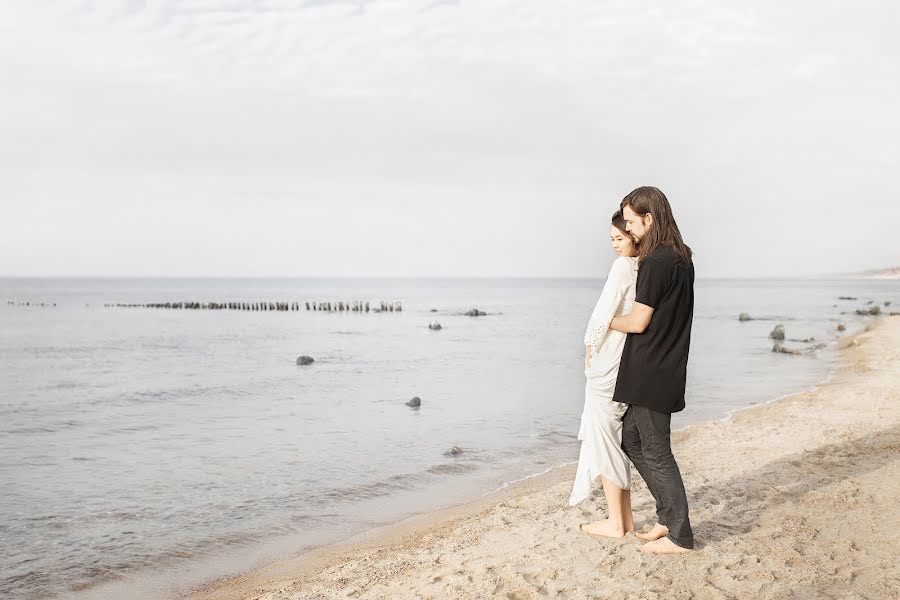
(613, 293)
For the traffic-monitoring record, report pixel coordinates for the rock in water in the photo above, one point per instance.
(744, 317)
(777, 333)
(305, 360)
(416, 401)
(875, 310)
(782, 350)
(454, 451)
(841, 327)
(474, 312)
(434, 326)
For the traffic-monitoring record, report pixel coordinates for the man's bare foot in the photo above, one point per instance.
(657, 532)
(664, 546)
(604, 528)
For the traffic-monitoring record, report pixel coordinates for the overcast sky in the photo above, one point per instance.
(441, 138)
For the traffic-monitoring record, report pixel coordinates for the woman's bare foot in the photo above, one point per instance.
(664, 546)
(657, 532)
(604, 528)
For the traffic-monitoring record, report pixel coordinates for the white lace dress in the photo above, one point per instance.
(601, 421)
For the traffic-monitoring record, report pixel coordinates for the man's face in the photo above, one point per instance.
(636, 224)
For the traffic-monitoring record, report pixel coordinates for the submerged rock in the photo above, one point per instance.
(777, 333)
(847, 298)
(474, 312)
(434, 326)
(416, 401)
(454, 451)
(305, 360)
(782, 350)
(744, 317)
(841, 327)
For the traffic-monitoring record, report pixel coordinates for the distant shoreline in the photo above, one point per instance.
(889, 274)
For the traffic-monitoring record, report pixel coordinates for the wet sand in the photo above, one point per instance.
(796, 498)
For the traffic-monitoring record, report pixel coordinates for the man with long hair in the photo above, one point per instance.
(653, 370)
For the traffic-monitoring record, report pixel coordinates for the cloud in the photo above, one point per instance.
(499, 116)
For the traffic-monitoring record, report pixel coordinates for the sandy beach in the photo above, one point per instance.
(796, 498)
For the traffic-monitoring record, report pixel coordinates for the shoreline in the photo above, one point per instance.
(838, 344)
(378, 563)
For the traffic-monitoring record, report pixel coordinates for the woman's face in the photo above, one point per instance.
(621, 242)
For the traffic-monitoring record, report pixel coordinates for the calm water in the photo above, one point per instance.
(144, 450)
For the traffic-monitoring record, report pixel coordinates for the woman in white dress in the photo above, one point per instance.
(601, 421)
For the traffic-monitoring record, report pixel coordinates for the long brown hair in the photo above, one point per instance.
(618, 221)
(663, 230)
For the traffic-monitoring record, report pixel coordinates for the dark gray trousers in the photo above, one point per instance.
(646, 441)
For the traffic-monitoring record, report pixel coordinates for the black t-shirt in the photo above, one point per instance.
(654, 363)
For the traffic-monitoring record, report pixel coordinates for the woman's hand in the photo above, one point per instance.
(635, 322)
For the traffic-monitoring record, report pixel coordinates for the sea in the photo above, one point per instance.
(145, 451)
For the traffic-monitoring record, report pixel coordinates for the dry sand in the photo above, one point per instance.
(797, 498)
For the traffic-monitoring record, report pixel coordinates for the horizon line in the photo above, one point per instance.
(863, 275)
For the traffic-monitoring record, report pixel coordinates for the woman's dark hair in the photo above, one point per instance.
(663, 231)
(618, 221)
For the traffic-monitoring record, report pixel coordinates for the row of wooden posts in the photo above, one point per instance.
(13, 303)
(340, 306)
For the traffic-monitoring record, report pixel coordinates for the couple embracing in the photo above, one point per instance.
(636, 352)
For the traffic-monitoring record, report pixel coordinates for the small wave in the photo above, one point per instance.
(49, 428)
(40, 518)
(365, 491)
(180, 393)
(453, 468)
(31, 430)
(134, 428)
(506, 484)
(65, 385)
(555, 434)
